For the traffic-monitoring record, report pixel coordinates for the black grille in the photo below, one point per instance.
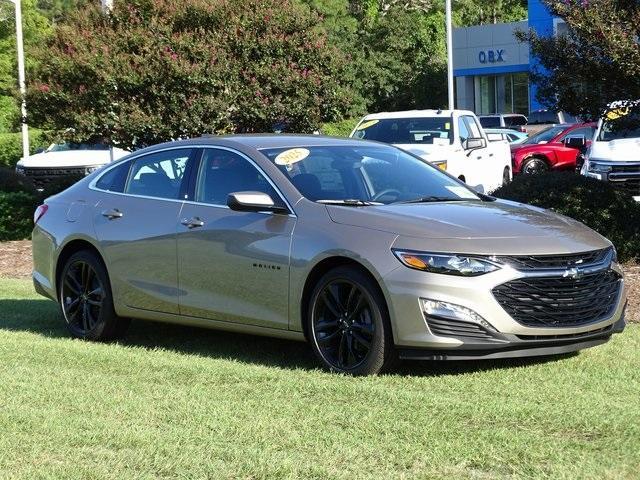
(536, 262)
(445, 327)
(42, 176)
(630, 185)
(560, 301)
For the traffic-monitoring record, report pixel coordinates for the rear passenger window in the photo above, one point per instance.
(158, 174)
(113, 180)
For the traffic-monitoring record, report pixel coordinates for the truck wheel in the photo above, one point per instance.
(534, 166)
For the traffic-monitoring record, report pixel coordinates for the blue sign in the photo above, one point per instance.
(491, 56)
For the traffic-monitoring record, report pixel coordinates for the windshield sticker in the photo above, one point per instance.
(291, 156)
(462, 192)
(367, 124)
(447, 126)
(617, 113)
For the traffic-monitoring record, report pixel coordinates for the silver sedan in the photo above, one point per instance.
(368, 253)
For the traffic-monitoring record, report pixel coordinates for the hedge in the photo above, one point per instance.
(339, 129)
(608, 210)
(11, 146)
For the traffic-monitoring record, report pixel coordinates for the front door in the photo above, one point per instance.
(233, 266)
(135, 221)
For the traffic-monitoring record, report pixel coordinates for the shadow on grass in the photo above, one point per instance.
(42, 317)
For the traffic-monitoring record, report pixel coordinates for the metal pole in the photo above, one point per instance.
(21, 83)
(107, 5)
(449, 54)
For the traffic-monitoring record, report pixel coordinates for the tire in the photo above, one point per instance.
(506, 176)
(534, 166)
(348, 323)
(86, 300)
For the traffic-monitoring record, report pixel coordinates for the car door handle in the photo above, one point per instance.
(192, 222)
(112, 214)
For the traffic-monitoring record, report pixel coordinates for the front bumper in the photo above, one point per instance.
(417, 336)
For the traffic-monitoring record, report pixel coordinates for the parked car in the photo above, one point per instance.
(451, 139)
(66, 160)
(614, 155)
(360, 248)
(540, 119)
(512, 121)
(513, 137)
(555, 148)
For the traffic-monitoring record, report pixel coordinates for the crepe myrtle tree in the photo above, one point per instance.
(157, 70)
(597, 62)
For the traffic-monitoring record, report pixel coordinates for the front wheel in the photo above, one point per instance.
(348, 323)
(86, 300)
(506, 176)
(534, 166)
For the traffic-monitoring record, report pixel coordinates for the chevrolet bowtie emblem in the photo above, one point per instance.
(573, 273)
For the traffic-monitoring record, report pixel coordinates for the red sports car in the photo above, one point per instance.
(554, 148)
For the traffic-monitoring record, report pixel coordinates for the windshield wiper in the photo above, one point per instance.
(433, 198)
(350, 202)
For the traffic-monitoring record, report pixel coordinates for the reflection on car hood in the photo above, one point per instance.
(626, 149)
(499, 227)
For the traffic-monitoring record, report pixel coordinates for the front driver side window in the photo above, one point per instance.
(223, 172)
(158, 174)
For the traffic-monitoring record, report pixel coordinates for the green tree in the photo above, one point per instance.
(597, 62)
(155, 70)
(35, 28)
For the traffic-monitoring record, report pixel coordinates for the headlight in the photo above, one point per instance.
(598, 167)
(92, 169)
(461, 265)
(19, 170)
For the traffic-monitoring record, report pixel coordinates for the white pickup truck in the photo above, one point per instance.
(451, 139)
(614, 154)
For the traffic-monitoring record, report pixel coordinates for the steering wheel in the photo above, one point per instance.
(386, 191)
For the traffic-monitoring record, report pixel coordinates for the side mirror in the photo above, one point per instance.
(253, 202)
(474, 143)
(575, 142)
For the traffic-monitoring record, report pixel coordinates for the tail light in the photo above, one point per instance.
(39, 213)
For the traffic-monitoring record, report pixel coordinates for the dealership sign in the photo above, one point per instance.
(491, 56)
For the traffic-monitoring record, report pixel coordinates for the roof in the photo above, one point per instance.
(416, 114)
(260, 141)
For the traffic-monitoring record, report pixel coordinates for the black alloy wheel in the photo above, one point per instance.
(534, 166)
(506, 176)
(349, 326)
(86, 301)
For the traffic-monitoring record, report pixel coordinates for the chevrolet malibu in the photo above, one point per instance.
(365, 251)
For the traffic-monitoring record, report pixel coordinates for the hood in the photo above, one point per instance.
(71, 158)
(498, 227)
(625, 149)
(429, 152)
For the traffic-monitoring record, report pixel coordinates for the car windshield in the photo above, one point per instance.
(425, 130)
(360, 175)
(65, 147)
(545, 136)
(515, 120)
(620, 123)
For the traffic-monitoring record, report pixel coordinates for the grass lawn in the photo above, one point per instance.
(180, 402)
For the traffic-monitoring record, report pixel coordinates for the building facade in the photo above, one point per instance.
(491, 68)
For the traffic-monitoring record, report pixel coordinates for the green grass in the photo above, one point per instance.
(173, 402)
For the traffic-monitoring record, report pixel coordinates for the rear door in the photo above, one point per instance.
(233, 266)
(483, 168)
(135, 222)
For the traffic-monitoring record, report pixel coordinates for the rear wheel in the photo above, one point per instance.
(348, 323)
(534, 166)
(86, 300)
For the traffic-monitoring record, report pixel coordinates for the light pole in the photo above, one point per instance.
(449, 54)
(21, 83)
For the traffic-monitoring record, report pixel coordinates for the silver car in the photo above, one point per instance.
(361, 249)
